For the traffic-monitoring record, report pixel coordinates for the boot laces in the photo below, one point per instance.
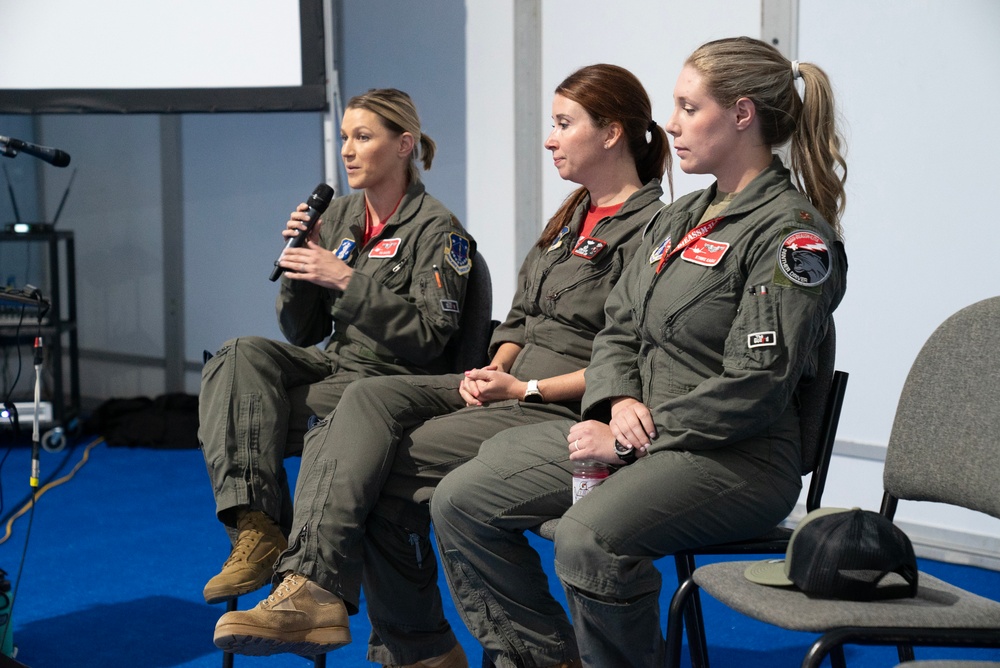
(244, 546)
(282, 590)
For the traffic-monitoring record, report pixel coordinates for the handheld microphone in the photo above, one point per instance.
(318, 201)
(53, 156)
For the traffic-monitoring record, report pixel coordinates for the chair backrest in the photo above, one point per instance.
(469, 347)
(820, 401)
(945, 439)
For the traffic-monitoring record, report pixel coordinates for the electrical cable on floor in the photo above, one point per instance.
(30, 505)
(55, 483)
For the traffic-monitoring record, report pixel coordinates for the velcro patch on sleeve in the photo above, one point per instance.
(450, 305)
(762, 339)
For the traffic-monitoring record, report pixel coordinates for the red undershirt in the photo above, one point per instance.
(596, 213)
(372, 231)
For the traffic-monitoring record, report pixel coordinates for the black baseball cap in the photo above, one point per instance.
(842, 553)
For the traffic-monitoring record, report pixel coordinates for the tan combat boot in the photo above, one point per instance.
(251, 563)
(299, 617)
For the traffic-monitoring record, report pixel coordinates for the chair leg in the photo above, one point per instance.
(675, 622)
(693, 618)
(830, 643)
(905, 653)
(227, 657)
(319, 661)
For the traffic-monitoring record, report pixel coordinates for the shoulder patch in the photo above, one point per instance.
(804, 259)
(457, 254)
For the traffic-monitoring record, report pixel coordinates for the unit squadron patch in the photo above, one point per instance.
(557, 242)
(660, 251)
(457, 254)
(345, 249)
(804, 259)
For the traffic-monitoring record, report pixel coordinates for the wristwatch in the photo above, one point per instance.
(532, 395)
(626, 453)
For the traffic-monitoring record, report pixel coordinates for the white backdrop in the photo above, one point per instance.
(916, 87)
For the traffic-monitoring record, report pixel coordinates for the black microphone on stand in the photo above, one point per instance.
(318, 201)
(53, 156)
(35, 441)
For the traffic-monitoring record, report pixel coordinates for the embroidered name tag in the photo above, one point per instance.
(705, 252)
(762, 339)
(449, 305)
(385, 248)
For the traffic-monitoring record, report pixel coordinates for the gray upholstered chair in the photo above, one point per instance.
(820, 401)
(944, 448)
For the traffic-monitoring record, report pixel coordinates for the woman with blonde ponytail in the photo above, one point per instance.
(690, 393)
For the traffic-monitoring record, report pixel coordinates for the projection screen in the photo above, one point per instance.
(128, 56)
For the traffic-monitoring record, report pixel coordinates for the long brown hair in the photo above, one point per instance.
(609, 94)
(746, 67)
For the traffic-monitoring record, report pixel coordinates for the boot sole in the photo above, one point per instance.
(221, 594)
(249, 640)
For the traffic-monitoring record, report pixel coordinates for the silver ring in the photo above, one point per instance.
(576, 445)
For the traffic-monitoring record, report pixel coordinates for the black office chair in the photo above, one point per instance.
(943, 448)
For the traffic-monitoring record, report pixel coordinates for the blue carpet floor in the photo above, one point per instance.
(117, 557)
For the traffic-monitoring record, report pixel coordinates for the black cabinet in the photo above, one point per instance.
(58, 329)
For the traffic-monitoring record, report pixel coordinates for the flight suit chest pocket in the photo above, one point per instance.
(392, 270)
(706, 310)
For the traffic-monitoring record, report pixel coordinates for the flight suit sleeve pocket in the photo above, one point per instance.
(755, 342)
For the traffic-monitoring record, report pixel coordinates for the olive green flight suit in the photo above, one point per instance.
(713, 339)
(399, 310)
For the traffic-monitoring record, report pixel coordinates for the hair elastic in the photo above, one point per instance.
(652, 126)
(795, 70)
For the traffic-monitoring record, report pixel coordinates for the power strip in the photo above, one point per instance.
(26, 413)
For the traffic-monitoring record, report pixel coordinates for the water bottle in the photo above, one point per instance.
(587, 475)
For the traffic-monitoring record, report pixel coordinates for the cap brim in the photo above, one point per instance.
(770, 572)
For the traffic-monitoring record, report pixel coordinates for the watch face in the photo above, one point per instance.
(623, 449)
(626, 453)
